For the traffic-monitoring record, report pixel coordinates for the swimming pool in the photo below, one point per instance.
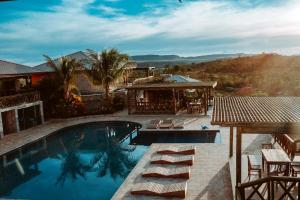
(83, 162)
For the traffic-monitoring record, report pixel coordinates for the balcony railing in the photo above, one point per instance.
(270, 188)
(17, 99)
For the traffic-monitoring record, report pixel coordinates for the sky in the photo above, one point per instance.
(32, 28)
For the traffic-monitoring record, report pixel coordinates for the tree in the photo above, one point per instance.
(112, 157)
(107, 67)
(64, 71)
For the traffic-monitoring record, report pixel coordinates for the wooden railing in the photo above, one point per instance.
(148, 107)
(270, 188)
(14, 100)
(286, 143)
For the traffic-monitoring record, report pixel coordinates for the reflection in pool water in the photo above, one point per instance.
(82, 162)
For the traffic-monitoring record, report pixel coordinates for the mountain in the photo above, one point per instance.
(163, 60)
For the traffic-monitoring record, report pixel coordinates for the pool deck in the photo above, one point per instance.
(210, 174)
(250, 142)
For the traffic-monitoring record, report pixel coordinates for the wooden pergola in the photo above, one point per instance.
(260, 115)
(164, 98)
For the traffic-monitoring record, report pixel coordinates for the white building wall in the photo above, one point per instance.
(16, 108)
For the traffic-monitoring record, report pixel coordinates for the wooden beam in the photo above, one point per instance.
(238, 156)
(231, 142)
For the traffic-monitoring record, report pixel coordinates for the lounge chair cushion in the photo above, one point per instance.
(184, 150)
(176, 190)
(175, 160)
(162, 172)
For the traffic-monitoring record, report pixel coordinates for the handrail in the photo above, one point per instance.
(268, 192)
(17, 99)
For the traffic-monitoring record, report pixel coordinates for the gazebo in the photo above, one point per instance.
(260, 115)
(165, 98)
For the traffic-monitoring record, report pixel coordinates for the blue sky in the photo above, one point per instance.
(31, 28)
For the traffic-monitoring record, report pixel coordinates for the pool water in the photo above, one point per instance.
(84, 162)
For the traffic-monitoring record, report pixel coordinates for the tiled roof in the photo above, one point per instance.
(80, 56)
(181, 79)
(257, 111)
(10, 68)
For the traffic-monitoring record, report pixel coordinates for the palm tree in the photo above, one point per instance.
(65, 70)
(107, 67)
(72, 165)
(113, 157)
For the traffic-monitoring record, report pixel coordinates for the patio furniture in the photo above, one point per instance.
(175, 190)
(185, 150)
(267, 146)
(178, 124)
(276, 158)
(166, 124)
(154, 124)
(162, 172)
(254, 166)
(172, 160)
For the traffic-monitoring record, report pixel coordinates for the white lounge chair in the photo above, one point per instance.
(184, 150)
(175, 190)
(172, 160)
(154, 124)
(178, 124)
(166, 124)
(162, 172)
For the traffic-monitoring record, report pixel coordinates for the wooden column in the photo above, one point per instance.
(238, 156)
(205, 100)
(174, 101)
(231, 142)
(129, 93)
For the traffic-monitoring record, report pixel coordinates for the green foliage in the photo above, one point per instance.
(107, 67)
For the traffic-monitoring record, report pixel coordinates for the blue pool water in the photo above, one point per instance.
(84, 162)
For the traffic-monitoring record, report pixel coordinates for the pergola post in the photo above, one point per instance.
(238, 155)
(174, 100)
(231, 142)
(205, 100)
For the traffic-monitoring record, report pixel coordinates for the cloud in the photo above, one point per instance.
(215, 25)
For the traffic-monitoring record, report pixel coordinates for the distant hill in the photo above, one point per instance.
(163, 60)
(262, 74)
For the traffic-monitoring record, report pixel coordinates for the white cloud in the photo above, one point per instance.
(70, 24)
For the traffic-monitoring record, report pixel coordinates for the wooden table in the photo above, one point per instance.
(275, 157)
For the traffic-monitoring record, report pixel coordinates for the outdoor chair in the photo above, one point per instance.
(175, 190)
(267, 146)
(154, 124)
(184, 150)
(162, 172)
(166, 124)
(295, 169)
(254, 167)
(178, 124)
(175, 160)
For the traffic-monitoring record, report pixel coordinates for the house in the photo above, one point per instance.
(20, 105)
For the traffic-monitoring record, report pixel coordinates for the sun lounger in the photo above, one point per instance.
(154, 124)
(162, 172)
(175, 190)
(184, 150)
(175, 160)
(167, 123)
(178, 125)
